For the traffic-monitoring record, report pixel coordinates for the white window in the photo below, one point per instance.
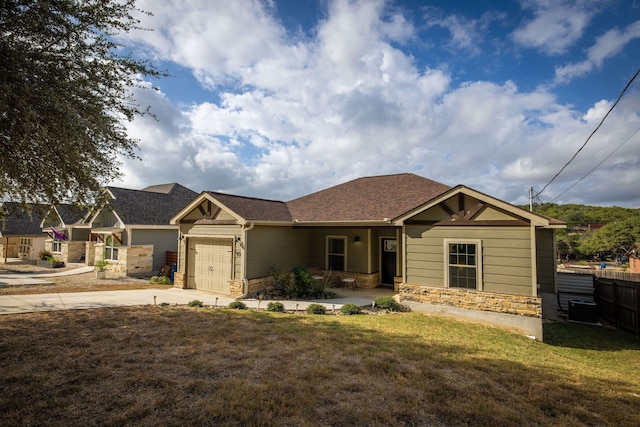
(463, 267)
(336, 253)
(56, 246)
(111, 245)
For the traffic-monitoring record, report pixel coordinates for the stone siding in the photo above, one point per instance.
(73, 252)
(528, 306)
(179, 280)
(138, 259)
(132, 260)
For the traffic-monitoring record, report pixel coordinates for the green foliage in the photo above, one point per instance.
(275, 306)
(101, 265)
(46, 255)
(613, 239)
(581, 215)
(160, 280)
(350, 308)
(621, 230)
(65, 97)
(195, 303)
(299, 283)
(238, 305)
(387, 303)
(316, 309)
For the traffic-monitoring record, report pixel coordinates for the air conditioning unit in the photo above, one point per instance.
(583, 311)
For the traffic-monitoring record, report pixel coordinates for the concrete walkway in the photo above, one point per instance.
(13, 304)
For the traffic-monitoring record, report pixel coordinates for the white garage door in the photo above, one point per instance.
(210, 265)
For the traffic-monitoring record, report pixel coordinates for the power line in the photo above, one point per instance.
(592, 133)
(596, 166)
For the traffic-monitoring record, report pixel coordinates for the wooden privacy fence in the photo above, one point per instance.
(618, 302)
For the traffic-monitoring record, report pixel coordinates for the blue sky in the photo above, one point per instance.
(277, 99)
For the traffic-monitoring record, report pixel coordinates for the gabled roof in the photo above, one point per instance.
(374, 198)
(70, 214)
(16, 220)
(149, 207)
(533, 218)
(251, 208)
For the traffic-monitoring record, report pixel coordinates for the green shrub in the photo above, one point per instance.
(195, 303)
(101, 264)
(387, 303)
(316, 309)
(160, 280)
(45, 255)
(350, 308)
(238, 305)
(275, 306)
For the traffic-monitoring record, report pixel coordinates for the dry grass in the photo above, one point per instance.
(181, 366)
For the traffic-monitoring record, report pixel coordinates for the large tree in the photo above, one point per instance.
(65, 97)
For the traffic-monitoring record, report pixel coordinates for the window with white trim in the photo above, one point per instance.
(464, 264)
(56, 245)
(336, 253)
(111, 245)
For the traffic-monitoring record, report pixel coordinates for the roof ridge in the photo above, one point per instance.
(244, 197)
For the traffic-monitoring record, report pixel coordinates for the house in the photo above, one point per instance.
(57, 226)
(634, 258)
(455, 249)
(131, 229)
(20, 232)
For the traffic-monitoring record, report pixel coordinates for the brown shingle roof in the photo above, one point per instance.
(371, 198)
(251, 208)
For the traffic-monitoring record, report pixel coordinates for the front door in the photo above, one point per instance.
(388, 261)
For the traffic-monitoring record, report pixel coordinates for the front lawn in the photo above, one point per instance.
(196, 366)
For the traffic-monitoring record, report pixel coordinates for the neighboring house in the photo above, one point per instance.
(20, 232)
(634, 258)
(132, 230)
(455, 249)
(58, 225)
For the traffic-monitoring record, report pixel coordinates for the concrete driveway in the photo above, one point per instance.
(13, 304)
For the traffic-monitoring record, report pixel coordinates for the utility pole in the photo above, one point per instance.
(530, 199)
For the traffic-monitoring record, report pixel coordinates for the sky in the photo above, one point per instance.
(279, 99)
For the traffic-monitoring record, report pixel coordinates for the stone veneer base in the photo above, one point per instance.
(519, 312)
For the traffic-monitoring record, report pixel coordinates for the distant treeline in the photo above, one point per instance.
(620, 231)
(579, 216)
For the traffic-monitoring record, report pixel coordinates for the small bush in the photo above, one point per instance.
(276, 307)
(388, 303)
(195, 303)
(160, 280)
(350, 308)
(45, 255)
(316, 309)
(238, 305)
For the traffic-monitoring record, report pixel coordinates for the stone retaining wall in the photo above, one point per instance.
(528, 306)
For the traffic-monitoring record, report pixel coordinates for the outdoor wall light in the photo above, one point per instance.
(238, 239)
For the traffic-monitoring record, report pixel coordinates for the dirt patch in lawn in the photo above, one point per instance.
(84, 282)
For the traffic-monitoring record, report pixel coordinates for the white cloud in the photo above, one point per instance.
(556, 25)
(466, 34)
(302, 115)
(606, 46)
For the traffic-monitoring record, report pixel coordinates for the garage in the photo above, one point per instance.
(210, 264)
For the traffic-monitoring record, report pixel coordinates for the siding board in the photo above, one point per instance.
(506, 262)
